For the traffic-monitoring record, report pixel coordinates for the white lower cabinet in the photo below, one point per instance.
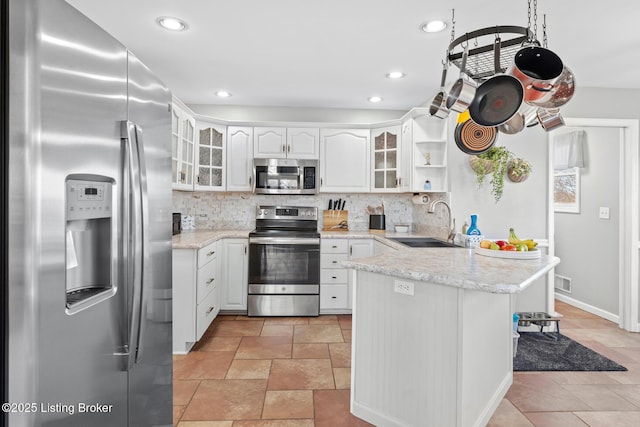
(335, 285)
(234, 274)
(196, 294)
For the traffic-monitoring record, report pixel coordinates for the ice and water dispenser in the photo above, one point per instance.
(90, 244)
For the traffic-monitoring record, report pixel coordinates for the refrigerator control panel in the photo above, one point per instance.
(88, 199)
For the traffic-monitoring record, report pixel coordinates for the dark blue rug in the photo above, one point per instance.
(542, 352)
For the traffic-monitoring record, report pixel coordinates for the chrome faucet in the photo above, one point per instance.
(452, 222)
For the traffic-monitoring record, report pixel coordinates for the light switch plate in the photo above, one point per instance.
(604, 212)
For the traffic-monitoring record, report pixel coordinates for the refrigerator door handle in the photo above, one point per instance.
(137, 217)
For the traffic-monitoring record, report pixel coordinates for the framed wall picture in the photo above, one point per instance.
(566, 190)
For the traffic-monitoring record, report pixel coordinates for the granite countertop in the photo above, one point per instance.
(458, 267)
(196, 239)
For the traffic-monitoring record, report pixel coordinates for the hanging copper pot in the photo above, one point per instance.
(472, 138)
(538, 69)
(561, 93)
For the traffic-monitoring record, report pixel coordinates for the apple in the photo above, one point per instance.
(500, 243)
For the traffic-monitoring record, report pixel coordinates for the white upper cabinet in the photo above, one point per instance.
(182, 148)
(280, 143)
(210, 170)
(269, 142)
(386, 160)
(239, 172)
(303, 143)
(345, 160)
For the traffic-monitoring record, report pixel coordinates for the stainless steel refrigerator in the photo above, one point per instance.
(86, 225)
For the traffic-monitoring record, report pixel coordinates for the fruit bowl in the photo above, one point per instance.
(532, 254)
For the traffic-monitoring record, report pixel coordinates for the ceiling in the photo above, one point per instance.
(335, 53)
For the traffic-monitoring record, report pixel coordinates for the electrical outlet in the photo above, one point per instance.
(604, 212)
(403, 287)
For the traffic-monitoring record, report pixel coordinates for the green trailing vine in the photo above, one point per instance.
(498, 158)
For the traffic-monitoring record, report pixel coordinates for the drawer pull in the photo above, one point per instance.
(334, 262)
(211, 253)
(334, 297)
(334, 277)
(334, 247)
(210, 309)
(210, 280)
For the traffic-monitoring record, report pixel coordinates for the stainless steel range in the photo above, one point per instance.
(284, 262)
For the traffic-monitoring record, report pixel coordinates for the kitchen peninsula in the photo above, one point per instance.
(432, 334)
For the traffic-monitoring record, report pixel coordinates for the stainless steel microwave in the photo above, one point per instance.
(286, 176)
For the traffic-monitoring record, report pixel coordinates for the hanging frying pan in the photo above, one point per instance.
(496, 100)
(472, 138)
(438, 107)
(463, 89)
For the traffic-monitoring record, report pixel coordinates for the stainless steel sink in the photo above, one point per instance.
(423, 242)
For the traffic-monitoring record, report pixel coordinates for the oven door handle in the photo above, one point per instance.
(283, 241)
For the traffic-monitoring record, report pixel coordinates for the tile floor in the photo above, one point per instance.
(295, 372)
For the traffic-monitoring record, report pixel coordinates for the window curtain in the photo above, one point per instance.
(568, 150)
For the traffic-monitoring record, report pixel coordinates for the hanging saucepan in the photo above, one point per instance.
(538, 69)
(561, 93)
(472, 138)
(497, 100)
(438, 106)
(550, 119)
(463, 90)
(520, 119)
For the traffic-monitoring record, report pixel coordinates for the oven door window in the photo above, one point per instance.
(284, 264)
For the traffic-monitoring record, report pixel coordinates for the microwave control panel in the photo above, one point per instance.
(87, 199)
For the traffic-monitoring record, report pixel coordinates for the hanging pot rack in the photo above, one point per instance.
(481, 59)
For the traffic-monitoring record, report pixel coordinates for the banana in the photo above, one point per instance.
(514, 240)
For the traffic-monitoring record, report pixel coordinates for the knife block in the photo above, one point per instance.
(335, 220)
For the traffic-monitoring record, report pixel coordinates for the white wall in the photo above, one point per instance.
(587, 245)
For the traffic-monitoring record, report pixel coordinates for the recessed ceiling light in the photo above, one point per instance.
(173, 24)
(375, 99)
(223, 94)
(433, 26)
(395, 75)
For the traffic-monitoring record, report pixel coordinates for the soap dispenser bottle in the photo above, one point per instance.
(473, 228)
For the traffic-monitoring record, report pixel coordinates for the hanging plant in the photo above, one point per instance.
(496, 160)
(518, 170)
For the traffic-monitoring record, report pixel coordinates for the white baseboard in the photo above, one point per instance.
(495, 401)
(588, 308)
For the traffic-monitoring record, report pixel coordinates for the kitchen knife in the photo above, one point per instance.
(330, 204)
(343, 203)
(338, 202)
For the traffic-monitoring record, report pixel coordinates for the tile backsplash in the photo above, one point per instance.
(217, 210)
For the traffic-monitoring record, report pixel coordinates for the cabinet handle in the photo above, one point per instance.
(400, 179)
(334, 262)
(245, 249)
(334, 247)
(283, 148)
(334, 277)
(210, 309)
(211, 253)
(351, 250)
(250, 181)
(210, 281)
(289, 148)
(320, 181)
(334, 297)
